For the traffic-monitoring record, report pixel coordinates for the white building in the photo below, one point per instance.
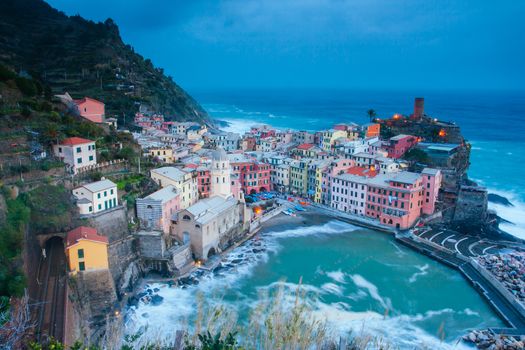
(184, 182)
(96, 197)
(349, 193)
(76, 152)
(220, 174)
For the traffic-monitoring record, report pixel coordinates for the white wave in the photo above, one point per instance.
(361, 282)
(239, 126)
(337, 276)
(423, 270)
(399, 331)
(470, 312)
(399, 252)
(515, 214)
(332, 288)
(332, 227)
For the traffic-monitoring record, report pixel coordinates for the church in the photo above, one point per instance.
(214, 223)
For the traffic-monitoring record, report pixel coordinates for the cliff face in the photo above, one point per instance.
(87, 59)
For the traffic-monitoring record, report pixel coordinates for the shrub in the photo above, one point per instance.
(6, 73)
(26, 86)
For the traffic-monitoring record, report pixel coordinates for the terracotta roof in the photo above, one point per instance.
(71, 141)
(361, 171)
(84, 232)
(192, 166)
(305, 146)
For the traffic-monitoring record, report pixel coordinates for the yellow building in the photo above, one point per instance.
(299, 176)
(329, 137)
(165, 154)
(86, 250)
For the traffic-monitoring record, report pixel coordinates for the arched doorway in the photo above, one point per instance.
(253, 191)
(211, 252)
(263, 189)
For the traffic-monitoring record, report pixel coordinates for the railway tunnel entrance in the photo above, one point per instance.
(52, 280)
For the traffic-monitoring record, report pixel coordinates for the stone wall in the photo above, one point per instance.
(151, 244)
(112, 223)
(471, 206)
(122, 254)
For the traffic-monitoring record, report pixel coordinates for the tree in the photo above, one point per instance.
(371, 114)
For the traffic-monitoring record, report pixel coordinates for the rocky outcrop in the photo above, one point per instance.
(488, 340)
(497, 199)
(94, 300)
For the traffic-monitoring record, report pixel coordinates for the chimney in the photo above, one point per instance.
(419, 108)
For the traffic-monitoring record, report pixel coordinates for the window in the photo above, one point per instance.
(105, 193)
(80, 253)
(90, 158)
(100, 207)
(98, 195)
(79, 149)
(81, 266)
(111, 191)
(90, 208)
(79, 160)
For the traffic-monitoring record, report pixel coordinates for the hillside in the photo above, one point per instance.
(87, 59)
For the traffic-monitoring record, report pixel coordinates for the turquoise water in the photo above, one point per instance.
(353, 278)
(492, 121)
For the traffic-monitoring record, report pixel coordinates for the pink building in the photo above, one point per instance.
(236, 188)
(91, 109)
(398, 145)
(203, 181)
(155, 211)
(432, 179)
(398, 199)
(254, 176)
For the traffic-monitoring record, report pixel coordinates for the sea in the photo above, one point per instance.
(359, 281)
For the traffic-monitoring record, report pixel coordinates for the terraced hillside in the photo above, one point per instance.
(87, 59)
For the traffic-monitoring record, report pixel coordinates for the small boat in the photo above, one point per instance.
(299, 208)
(289, 212)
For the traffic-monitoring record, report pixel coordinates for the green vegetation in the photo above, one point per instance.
(85, 59)
(417, 155)
(12, 280)
(52, 209)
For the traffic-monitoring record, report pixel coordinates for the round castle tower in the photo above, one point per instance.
(220, 174)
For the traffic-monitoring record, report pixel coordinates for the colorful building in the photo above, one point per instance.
(76, 152)
(91, 109)
(184, 181)
(95, 197)
(397, 200)
(398, 145)
(253, 175)
(86, 250)
(155, 211)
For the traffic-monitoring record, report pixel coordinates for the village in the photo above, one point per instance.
(212, 190)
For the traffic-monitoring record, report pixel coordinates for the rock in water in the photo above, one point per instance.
(497, 199)
(156, 300)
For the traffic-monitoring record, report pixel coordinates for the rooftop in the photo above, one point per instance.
(73, 141)
(305, 146)
(170, 172)
(99, 185)
(165, 194)
(84, 233)
(209, 208)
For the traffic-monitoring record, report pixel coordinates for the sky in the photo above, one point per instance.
(357, 44)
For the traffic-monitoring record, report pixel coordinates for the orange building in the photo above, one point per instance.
(373, 130)
(86, 250)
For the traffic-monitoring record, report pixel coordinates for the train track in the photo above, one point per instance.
(52, 293)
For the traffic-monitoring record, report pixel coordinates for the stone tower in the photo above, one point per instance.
(220, 174)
